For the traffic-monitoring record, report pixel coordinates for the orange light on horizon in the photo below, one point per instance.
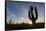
(30, 22)
(18, 21)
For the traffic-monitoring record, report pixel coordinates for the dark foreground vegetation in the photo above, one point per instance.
(24, 26)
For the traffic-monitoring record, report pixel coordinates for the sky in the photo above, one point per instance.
(18, 11)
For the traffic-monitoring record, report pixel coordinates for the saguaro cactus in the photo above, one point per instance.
(31, 15)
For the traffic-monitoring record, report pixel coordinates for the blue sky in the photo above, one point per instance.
(20, 9)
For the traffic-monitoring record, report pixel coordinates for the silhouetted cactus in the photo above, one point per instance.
(23, 22)
(10, 21)
(31, 15)
(17, 22)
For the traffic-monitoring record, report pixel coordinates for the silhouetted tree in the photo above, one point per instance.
(31, 15)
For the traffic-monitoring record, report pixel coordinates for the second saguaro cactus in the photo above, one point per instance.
(31, 15)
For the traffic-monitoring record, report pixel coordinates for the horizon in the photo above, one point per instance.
(18, 11)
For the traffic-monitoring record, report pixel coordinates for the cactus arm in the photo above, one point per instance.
(36, 13)
(32, 14)
(29, 15)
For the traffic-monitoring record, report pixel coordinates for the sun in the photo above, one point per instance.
(30, 22)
